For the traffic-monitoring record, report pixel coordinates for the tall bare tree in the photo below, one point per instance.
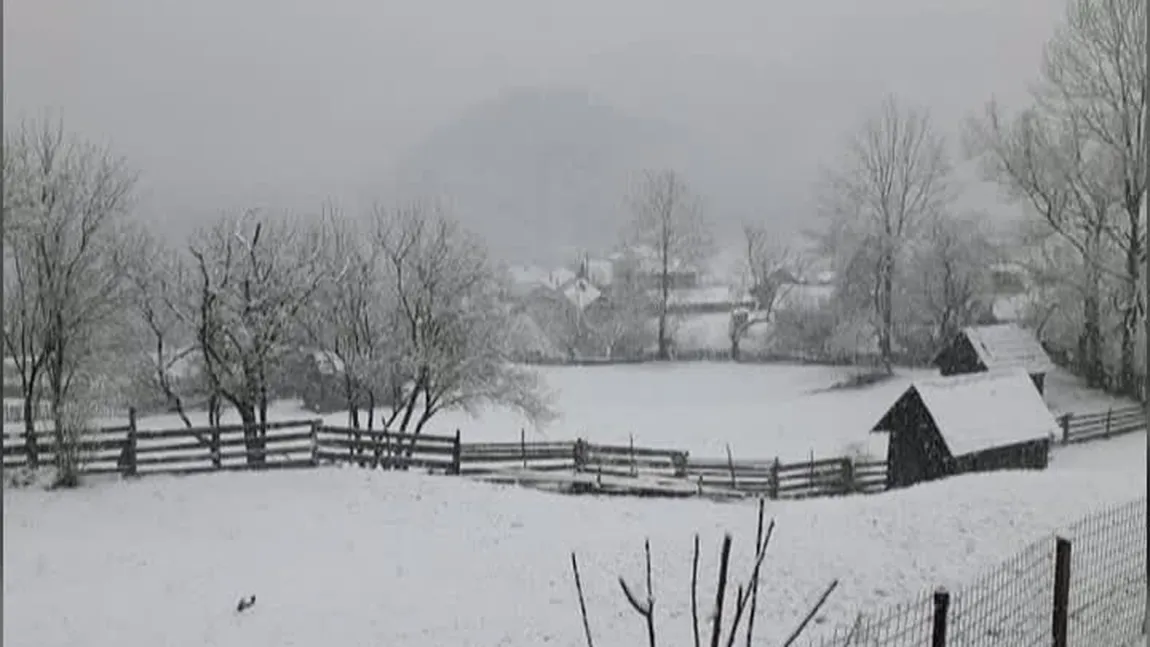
(765, 274)
(1076, 158)
(894, 175)
(252, 278)
(667, 219)
(351, 316)
(65, 204)
(450, 345)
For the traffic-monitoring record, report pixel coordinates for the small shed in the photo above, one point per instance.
(967, 423)
(977, 349)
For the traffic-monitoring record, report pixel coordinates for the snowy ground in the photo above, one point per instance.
(352, 557)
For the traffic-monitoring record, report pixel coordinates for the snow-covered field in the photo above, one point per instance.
(351, 557)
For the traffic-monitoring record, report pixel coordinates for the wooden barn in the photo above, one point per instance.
(977, 349)
(966, 423)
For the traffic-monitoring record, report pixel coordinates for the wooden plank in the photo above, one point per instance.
(363, 433)
(628, 451)
(371, 446)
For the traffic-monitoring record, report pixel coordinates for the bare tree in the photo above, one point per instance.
(450, 344)
(894, 176)
(159, 281)
(766, 275)
(252, 277)
(1094, 73)
(350, 316)
(65, 203)
(949, 276)
(668, 220)
(621, 326)
(1045, 161)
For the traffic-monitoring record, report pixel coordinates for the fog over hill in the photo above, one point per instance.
(540, 173)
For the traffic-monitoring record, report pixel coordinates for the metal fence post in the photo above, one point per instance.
(941, 609)
(1061, 591)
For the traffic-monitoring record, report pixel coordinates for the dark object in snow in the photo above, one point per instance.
(245, 604)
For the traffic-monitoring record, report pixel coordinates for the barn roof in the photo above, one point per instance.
(983, 410)
(1003, 346)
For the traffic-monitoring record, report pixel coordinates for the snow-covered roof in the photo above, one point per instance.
(983, 410)
(327, 362)
(581, 292)
(1002, 346)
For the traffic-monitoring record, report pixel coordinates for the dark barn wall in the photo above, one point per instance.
(1033, 455)
(1039, 380)
(959, 358)
(915, 452)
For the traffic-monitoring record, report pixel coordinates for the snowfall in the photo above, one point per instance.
(344, 556)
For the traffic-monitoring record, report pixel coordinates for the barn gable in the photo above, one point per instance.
(981, 411)
(994, 347)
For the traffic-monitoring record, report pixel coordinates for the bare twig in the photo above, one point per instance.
(724, 563)
(695, 591)
(761, 543)
(811, 614)
(645, 609)
(582, 601)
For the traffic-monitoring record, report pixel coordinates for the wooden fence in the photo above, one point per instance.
(1116, 421)
(575, 466)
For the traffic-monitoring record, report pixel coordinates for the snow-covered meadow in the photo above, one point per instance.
(354, 557)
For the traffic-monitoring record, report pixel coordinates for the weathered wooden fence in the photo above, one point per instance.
(576, 466)
(573, 466)
(1115, 421)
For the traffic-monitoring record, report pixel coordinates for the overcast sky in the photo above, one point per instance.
(225, 103)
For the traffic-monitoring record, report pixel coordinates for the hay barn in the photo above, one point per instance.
(966, 423)
(977, 349)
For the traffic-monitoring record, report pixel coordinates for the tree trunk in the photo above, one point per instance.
(1128, 383)
(735, 342)
(31, 447)
(886, 316)
(255, 454)
(1090, 343)
(664, 298)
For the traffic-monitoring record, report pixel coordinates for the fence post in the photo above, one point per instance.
(214, 448)
(774, 480)
(1061, 591)
(314, 443)
(580, 454)
(456, 456)
(1109, 414)
(634, 469)
(1064, 422)
(130, 445)
(941, 608)
(848, 475)
(523, 446)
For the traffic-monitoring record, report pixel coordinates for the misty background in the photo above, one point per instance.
(526, 115)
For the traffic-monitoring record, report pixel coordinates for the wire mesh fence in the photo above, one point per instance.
(1108, 576)
(1014, 605)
